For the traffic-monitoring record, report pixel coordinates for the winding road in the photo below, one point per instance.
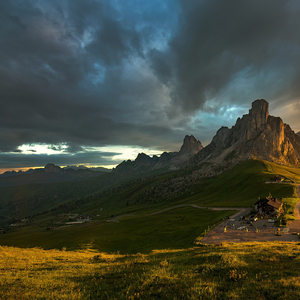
(201, 207)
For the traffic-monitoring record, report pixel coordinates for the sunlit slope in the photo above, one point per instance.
(290, 173)
(240, 186)
(227, 271)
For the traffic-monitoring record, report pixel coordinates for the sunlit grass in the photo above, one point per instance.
(289, 207)
(226, 271)
(290, 173)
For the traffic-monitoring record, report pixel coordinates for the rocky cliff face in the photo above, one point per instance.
(169, 160)
(190, 146)
(255, 135)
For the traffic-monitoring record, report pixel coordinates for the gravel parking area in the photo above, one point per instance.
(261, 230)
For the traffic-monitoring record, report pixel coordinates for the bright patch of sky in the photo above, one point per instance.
(42, 149)
(116, 153)
(124, 152)
(289, 113)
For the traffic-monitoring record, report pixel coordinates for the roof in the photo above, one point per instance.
(269, 201)
(275, 203)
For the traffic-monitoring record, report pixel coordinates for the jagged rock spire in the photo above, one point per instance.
(190, 144)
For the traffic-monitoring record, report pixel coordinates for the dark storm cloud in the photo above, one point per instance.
(221, 40)
(100, 73)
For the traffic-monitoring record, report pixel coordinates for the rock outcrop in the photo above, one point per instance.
(190, 146)
(255, 135)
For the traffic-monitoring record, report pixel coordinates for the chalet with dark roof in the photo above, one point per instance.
(268, 207)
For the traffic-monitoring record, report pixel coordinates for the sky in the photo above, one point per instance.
(96, 82)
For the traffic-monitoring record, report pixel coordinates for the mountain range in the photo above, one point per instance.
(150, 179)
(50, 173)
(256, 135)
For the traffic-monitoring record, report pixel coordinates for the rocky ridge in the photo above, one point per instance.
(168, 160)
(256, 135)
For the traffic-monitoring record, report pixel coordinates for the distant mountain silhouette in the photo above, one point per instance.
(83, 167)
(51, 173)
(14, 173)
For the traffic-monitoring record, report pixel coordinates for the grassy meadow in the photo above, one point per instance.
(269, 270)
(176, 228)
(140, 255)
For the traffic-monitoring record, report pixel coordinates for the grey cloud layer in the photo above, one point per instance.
(140, 73)
(38, 160)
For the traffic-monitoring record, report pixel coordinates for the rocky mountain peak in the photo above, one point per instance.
(298, 133)
(143, 158)
(255, 135)
(190, 145)
(52, 168)
(259, 112)
(261, 107)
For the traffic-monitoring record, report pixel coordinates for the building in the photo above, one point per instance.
(277, 179)
(268, 207)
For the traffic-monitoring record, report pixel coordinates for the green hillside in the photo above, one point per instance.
(238, 187)
(131, 227)
(152, 250)
(241, 186)
(27, 200)
(177, 228)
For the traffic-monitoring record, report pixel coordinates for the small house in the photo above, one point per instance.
(269, 207)
(277, 179)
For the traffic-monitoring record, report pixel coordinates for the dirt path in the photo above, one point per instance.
(297, 206)
(201, 207)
